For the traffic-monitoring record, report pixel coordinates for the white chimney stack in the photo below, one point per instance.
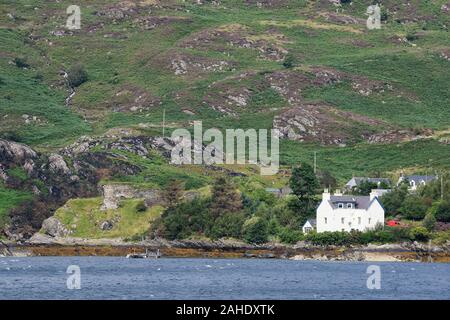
(326, 195)
(374, 194)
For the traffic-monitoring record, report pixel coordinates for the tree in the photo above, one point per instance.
(414, 207)
(304, 182)
(304, 185)
(393, 201)
(225, 198)
(327, 180)
(443, 211)
(228, 225)
(256, 230)
(429, 222)
(173, 193)
(364, 188)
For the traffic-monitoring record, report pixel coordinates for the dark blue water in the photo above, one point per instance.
(120, 278)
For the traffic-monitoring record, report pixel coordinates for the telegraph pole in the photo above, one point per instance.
(315, 162)
(164, 123)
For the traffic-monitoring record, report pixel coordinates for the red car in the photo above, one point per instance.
(393, 223)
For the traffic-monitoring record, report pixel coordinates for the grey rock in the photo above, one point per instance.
(54, 228)
(106, 225)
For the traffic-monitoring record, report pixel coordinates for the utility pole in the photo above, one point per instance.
(164, 123)
(315, 162)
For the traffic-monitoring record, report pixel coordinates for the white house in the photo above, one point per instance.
(346, 213)
(355, 181)
(416, 181)
(309, 225)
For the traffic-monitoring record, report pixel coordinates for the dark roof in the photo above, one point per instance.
(417, 178)
(361, 202)
(358, 180)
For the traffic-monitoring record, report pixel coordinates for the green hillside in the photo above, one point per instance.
(378, 99)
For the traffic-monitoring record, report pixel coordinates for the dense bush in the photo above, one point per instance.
(290, 236)
(443, 211)
(414, 207)
(329, 238)
(228, 225)
(256, 230)
(77, 75)
(419, 234)
(141, 207)
(184, 220)
(429, 222)
(21, 62)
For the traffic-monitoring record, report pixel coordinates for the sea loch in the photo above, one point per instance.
(120, 278)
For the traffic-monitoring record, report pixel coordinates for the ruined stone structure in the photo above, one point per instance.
(113, 193)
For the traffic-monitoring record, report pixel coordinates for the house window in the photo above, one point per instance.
(370, 219)
(342, 220)
(326, 220)
(359, 220)
(340, 205)
(349, 205)
(308, 229)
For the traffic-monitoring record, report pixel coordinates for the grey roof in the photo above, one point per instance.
(358, 180)
(417, 178)
(361, 202)
(313, 222)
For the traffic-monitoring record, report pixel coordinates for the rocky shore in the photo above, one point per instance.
(41, 245)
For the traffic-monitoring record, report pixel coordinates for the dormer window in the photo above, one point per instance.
(349, 205)
(340, 205)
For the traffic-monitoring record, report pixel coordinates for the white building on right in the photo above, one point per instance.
(346, 212)
(416, 181)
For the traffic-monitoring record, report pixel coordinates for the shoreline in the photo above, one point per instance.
(400, 252)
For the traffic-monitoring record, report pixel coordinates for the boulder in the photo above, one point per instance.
(106, 225)
(54, 228)
(15, 152)
(57, 164)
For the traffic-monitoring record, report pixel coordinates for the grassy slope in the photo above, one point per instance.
(83, 217)
(9, 199)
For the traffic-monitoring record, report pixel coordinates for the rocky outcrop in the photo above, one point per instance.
(57, 164)
(54, 228)
(4, 249)
(322, 123)
(113, 193)
(15, 152)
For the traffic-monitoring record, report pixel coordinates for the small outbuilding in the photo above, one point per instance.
(309, 225)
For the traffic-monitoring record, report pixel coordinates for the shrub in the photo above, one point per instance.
(443, 211)
(414, 207)
(141, 207)
(21, 62)
(256, 230)
(419, 234)
(228, 225)
(289, 61)
(429, 222)
(184, 220)
(329, 238)
(77, 75)
(290, 236)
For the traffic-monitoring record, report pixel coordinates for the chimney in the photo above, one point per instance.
(338, 192)
(326, 195)
(373, 194)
